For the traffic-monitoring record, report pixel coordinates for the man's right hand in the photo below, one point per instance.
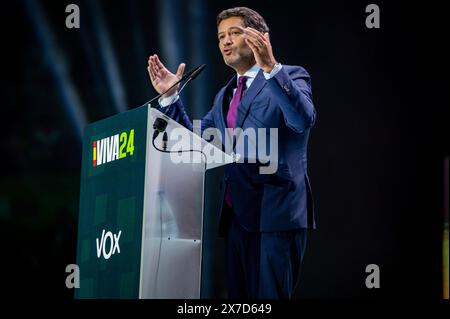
(162, 79)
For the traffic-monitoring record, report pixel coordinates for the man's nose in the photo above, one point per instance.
(227, 40)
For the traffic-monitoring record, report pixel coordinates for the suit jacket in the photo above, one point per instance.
(279, 201)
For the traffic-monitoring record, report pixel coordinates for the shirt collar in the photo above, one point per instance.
(250, 73)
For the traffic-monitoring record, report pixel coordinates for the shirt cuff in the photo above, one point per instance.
(274, 71)
(166, 101)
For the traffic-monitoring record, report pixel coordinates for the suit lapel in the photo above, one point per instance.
(258, 83)
(222, 100)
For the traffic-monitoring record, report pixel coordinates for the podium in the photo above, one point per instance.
(141, 208)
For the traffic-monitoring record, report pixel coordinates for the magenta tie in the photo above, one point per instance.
(231, 122)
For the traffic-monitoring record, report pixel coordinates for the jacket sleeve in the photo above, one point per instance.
(292, 87)
(177, 112)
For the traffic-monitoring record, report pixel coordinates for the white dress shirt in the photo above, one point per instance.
(250, 74)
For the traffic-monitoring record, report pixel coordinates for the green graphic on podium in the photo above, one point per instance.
(141, 209)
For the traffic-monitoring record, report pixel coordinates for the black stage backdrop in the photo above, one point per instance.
(376, 154)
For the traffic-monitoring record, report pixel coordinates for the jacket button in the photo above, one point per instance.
(286, 88)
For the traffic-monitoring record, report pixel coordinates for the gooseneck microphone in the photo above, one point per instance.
(196, 72)
(160, 124)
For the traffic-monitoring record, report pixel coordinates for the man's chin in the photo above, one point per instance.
(230, 61)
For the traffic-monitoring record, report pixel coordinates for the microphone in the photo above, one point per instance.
(160, 124)
(192, 74)
(197, 71)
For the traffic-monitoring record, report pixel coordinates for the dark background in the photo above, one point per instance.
(375, 155)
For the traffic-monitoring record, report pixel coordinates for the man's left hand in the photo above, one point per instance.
(261, 47)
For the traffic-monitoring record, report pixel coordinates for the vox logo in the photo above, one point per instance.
(112, 148)
(113, 242)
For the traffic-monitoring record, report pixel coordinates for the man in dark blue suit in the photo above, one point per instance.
(264, 217)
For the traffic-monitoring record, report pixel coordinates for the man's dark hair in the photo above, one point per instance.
(250, 17)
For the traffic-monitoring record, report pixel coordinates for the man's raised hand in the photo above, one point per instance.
(162, 79)
(261, 47)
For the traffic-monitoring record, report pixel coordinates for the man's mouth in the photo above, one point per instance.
(227, 51)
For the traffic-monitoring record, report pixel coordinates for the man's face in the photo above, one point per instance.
(234, 50)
